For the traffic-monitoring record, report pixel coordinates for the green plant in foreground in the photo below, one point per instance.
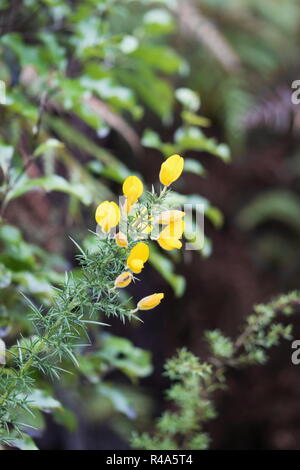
(80, 300)
(194, 382)
(61, 334)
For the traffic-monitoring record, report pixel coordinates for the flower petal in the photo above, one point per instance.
(132, 189)
(151, 301)
(107, 215)
(171, 169)
(121, 239)
(140, 251)
(123, 280)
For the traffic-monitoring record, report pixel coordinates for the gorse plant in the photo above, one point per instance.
(68, 74)
(82, 79)
(81, 299)
(119, 257)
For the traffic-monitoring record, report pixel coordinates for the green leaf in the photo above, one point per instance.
(42, 400)
(188, 98)
(51, 183)
(34, 420)
(118, 400)
(151, 139)
(66, 418)
(49, 144)
(24, 442)
(121, 354)
(6, 154)
(219, 344)
(193, 166)
(10, 234)
(280, 205)
(78, 139)
(215, 216)
(115, 172)
(5, 276)
(158, 21)
(192, 138)
(161, 98)
(195, 120)
(159, 57)
(128, 44)
(18, 103)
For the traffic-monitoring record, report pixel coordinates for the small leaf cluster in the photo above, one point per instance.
(182, 428)
(57, 332)
(262, 330)
(191, 393)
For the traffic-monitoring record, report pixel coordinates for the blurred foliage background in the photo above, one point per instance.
(96, 90)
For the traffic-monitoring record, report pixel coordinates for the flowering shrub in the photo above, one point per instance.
(141, 222)
(80, 79)
(80, 300)
(119, 257)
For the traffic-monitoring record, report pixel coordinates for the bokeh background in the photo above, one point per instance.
(98, 89)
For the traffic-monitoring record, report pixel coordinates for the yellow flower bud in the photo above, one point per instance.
(167, 217)
(169, 243)
(121, 239)
(169, 237)
(132, 189)
(140, 251)
(123, 280)
(107, 215)
(136, 265)
(137, 257)
(147, 303)
(171, 170)
(173, 230)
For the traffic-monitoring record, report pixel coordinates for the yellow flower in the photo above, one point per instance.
(140, 251)
(169, 243)
(132, 189)
(121, 239)
(136, 265)
(138, 257)
(173, 230)
(171, 170)
(169, 237)
(149, 302)
(107, 215)
(167, 217)
(123, 280)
